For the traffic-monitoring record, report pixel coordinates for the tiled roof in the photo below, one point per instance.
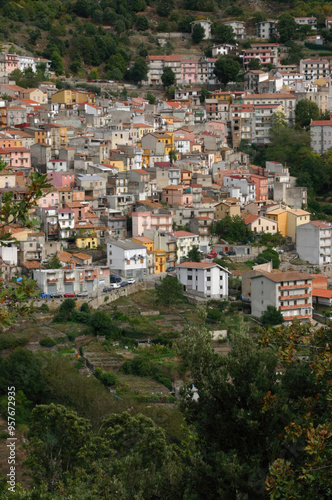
(319, 292)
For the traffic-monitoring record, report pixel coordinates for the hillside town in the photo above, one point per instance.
(136, 187)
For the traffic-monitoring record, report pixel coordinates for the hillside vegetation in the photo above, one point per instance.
(84, 34)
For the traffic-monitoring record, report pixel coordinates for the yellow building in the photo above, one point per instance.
(229, 206)
(295, 218)
(147, 242)
(288, 219)
(63, 136)
(115, 163)
(142, 129)
(167, 140)
(159, 261)
(86, 235)
(11, 143)
(70, 97)
(280, 216)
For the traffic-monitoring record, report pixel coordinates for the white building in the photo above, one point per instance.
(239, 29)
(185, 241)
(321, 135)
(311, 21)
(206, 25)
(54, 165)
(314, 68)
(247, 188)
(313, 242)
(205, 279)
(66, 220)
(223, 49)
(290, 293)
(72, 279)
(266, 29)
(8, 253)
(127, 258)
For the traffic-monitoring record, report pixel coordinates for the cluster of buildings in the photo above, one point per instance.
(146, 183)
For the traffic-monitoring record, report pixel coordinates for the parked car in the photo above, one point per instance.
(170, 269)
(231, 252)
(115, 279)
(131, 281)
(124, 283)
(56, 295)
(212, 255)
(222, 253)
(82, 294)
(107, 289)
(114, 285)
(69, 295)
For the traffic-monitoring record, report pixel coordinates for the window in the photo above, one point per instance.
(190, 278)
(208, 279)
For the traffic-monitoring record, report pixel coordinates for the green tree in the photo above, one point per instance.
(101, 323)
(56, 434)
(194, 255)
(172, 156)
(269, 255)
(198, 33)
(142, 23)
(164, 7)
(139, 71)
(168, 77)
(272, 317)
(233, 229)
(305, 111)
(254, 64)
(205, 94)
(287, 27)
(170, 291)
(67, 307)
(57, 63)
(53, 263)
(222, 33)
(94, 74)
(226, 69)
(151, 98)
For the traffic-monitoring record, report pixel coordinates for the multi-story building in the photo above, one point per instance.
(289, 292)
(239, 29)
(158, 63)
(185, 241)
(242, 119)
(288, 220)
(314, 68)
(229, 207)
(321, 135)
(314, 243)
(302, 21)
(259, 224)
(202, 227)
(180, 195)
(266, 29)
(66, 221)
(127, 258)
(145, 219)
(247, 188)
(72, 279)
(206, 25)
(224, 49)
(264, 119)
(204, 279)
(287, 101)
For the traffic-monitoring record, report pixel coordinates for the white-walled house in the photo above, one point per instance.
(314, 242)
(289, 292)
(205, 279)
(185, 241)
(127, 258)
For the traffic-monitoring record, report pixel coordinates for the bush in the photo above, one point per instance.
(108, 379)
(159, 377)
(272, 317)
(8, 340)
(47, 342)
(85, 307)
(214, 315)
(44, 308)
(80, 317)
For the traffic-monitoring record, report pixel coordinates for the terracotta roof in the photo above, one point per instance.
(81, 255)
(32, 264)
(321, 123)
(319, 292)
(251, 218)
(183, 234)
(143, 239)
(197, 265)
(287, 276)
(321, 224)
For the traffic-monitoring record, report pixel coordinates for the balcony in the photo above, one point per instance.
(294, 306)
(69, 279)
(292, 297)
(89, 278)
(52, 280)
(294, 287)
(301, 316)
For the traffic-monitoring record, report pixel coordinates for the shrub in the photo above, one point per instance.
(8, 340)
(85, 307)
(106, 378)
(44, 308)
(47, 342)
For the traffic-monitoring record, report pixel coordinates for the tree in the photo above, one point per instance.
(101, 323)
(194, 255)
(269, 255)
(305, 111)
(254, 64)
(172, 156)
(198, 33)
(233, 229)
(67, 307)
(168, 77)
(287, 27)
(205, 94)
(272, 317)
(139, 71)
(142, 24)
(94, 74)
(164, 7)
(53, 263)
(222, 33)
(151, 98)
(226, 69)
(57, 63)
(56, 435)
(170, 291)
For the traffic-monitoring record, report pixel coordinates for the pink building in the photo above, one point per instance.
(11, 62)
(265, 56)
(60, 179)
(189, 71)
(19, 157)
(157, 219)
(80, 210)
(261, 184)
(177, 195)
(49, 200)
